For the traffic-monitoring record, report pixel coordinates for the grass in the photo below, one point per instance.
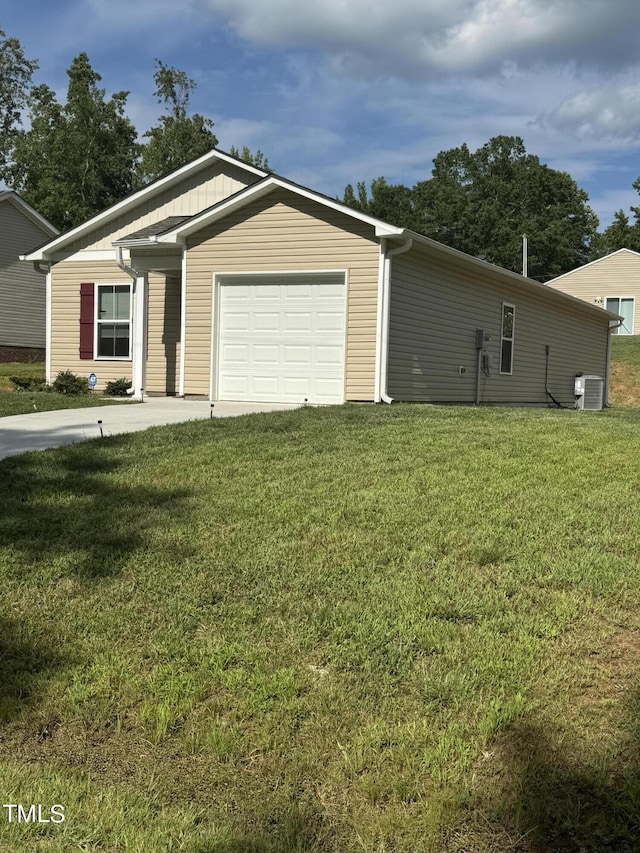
(13, 402)
(405, 628)
(625, 370)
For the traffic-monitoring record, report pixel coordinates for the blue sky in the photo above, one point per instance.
(337, 91)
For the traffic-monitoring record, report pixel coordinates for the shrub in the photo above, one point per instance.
(117, 387)
(70, 383)
(29, 383)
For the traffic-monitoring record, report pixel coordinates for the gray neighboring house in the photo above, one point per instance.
(22, 288)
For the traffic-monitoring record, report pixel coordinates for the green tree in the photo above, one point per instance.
(258, 159)
(179, 137)
(16, 72)
(392, 203)
(78, 158)
(621, 234)
(483, 202)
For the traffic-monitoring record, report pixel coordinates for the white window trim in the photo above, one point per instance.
(503, 338)
(96, 320)
(633, 313)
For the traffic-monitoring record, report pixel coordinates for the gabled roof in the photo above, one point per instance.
(260, 189)
(382, 229)
(133, 200)
(11, 197)
(593, 263)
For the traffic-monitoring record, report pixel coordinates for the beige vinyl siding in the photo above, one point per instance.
(278, 233)
(163, 337)
(615, 275)
(22, 288)
(194, 194)
(436, 307)
(65, 320)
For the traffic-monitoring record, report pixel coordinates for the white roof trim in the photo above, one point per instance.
(44, 252)
(13, 197)
(260, 189)
(591, 263)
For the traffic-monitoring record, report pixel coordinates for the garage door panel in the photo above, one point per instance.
(238, 321)
(329, 321)
(266, 354)
(266, 321)
(297, 321)
(286, 344)
(292, 355)
(235, 353)
(329, 356)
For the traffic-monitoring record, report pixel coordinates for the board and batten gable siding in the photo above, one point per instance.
(66, 279)
(617, 274)
(192, 195)
(285, 232)
(22, 288)
(437, 305)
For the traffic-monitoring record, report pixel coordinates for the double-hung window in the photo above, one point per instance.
(506, 337)
(113, 321)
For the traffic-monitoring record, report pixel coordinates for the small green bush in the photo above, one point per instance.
(117, 387)
(29, 383)
(70, 383)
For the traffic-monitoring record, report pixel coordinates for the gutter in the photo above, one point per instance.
(384, 299)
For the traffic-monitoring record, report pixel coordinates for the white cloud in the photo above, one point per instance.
(606, 112)
(416, 37)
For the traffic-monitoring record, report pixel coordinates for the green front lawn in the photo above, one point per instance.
(15, 402)
(402, 628)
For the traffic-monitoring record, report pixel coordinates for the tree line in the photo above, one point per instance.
(76, 158)
(483, 202)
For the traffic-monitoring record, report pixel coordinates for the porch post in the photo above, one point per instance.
(138, 348)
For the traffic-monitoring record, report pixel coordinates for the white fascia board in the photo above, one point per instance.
(115, 210)
(258, 190)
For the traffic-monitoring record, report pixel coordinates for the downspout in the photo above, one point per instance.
(135, 276)
(183, 319)
(608, 361)
(386, 302)
(44, 268)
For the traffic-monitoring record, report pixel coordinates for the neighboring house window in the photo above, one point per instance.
(506, 337)
(624, 306)
(113, 321)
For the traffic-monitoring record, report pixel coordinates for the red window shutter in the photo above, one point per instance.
(86, 319)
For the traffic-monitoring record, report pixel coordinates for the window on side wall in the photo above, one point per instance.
(625, 307)
(506, 337)
(113, 321)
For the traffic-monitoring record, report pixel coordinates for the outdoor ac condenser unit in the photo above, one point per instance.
(589, 391)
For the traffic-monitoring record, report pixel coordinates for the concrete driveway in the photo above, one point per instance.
(40, 430)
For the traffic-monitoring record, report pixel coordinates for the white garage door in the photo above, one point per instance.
(282, 338)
